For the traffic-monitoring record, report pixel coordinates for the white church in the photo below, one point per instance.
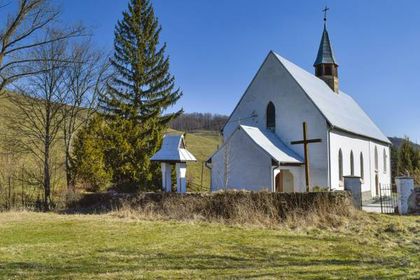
(257, 151)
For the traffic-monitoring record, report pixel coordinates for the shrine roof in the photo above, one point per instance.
(173, 150)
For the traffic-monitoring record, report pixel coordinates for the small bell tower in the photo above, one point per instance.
(326, 67)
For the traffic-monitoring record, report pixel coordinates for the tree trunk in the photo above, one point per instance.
(47, 179)
(67, 164)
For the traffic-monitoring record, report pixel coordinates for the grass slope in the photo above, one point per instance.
(51, 246)
(202, 145)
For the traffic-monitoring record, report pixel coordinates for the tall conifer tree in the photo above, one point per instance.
(138, 95)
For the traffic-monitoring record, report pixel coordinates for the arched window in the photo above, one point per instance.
(271, 116)
(385, 161)
(351, 164)
(362, 168)
(376, 159)
(340, 165)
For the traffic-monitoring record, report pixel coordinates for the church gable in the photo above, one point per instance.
(274, 101)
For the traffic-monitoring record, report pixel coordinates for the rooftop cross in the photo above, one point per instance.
(325, 10)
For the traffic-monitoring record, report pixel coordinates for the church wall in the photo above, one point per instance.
(274, 83)
(347, 143)
(247, 166)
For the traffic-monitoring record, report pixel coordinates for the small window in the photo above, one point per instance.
(340, 165)
(362, 168)
(271, 116)
(376, 159)
(328, 70)
(351, 164)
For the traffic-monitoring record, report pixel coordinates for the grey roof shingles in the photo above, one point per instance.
(325, 51)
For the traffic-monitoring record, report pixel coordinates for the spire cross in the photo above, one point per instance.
(325, 10)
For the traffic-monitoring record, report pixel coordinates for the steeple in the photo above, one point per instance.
(326, 67)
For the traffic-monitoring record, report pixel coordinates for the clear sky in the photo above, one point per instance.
(216, 47)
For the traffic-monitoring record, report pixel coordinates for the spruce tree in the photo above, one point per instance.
(140, 92)
(406, 157)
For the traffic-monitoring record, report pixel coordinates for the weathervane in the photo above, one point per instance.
(325, 10)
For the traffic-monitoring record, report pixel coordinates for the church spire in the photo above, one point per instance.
(326, 66)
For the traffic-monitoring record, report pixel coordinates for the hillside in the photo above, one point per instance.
(397, 141)
(201, 143)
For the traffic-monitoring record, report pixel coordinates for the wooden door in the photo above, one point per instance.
(279, 182)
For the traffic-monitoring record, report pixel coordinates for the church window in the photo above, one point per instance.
(328, 70)
(376, 159)
(362, 168)
(351, 164)
(385, 161)
(340, 165)
(271, 116)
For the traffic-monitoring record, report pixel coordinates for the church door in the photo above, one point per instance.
(279, 182)
(284, 182)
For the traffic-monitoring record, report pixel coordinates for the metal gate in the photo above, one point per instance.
(388, 198)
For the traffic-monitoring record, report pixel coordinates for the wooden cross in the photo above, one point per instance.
(306, 143)
(325, 10)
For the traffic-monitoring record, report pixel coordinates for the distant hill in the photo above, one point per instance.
(191, 122)
(397, 142)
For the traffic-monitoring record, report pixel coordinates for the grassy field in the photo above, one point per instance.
(51, 246)
(202, 145)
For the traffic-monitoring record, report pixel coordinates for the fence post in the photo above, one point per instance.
(405, 187)
(380, 198)
(353, 184)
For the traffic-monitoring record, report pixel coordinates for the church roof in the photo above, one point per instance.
(272, 145)
(173, 150)
(340, 110)
(325, 51)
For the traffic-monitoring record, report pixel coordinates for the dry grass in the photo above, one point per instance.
(270, 210)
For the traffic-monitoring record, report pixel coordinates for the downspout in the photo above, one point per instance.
(273, 183)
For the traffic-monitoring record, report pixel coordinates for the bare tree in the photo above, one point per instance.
(39, 119)
(22, 34)
(85, 78)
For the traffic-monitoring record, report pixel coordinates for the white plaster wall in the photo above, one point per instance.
(274, 83)
(384, 175)
(347, 143)
(248, 166)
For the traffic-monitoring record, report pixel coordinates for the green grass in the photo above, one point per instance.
(202, 145)
(51, 246)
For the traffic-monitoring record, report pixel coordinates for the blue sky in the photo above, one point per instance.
(216, 47)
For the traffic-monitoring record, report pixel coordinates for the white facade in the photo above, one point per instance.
(298, 97)
(376, 168)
